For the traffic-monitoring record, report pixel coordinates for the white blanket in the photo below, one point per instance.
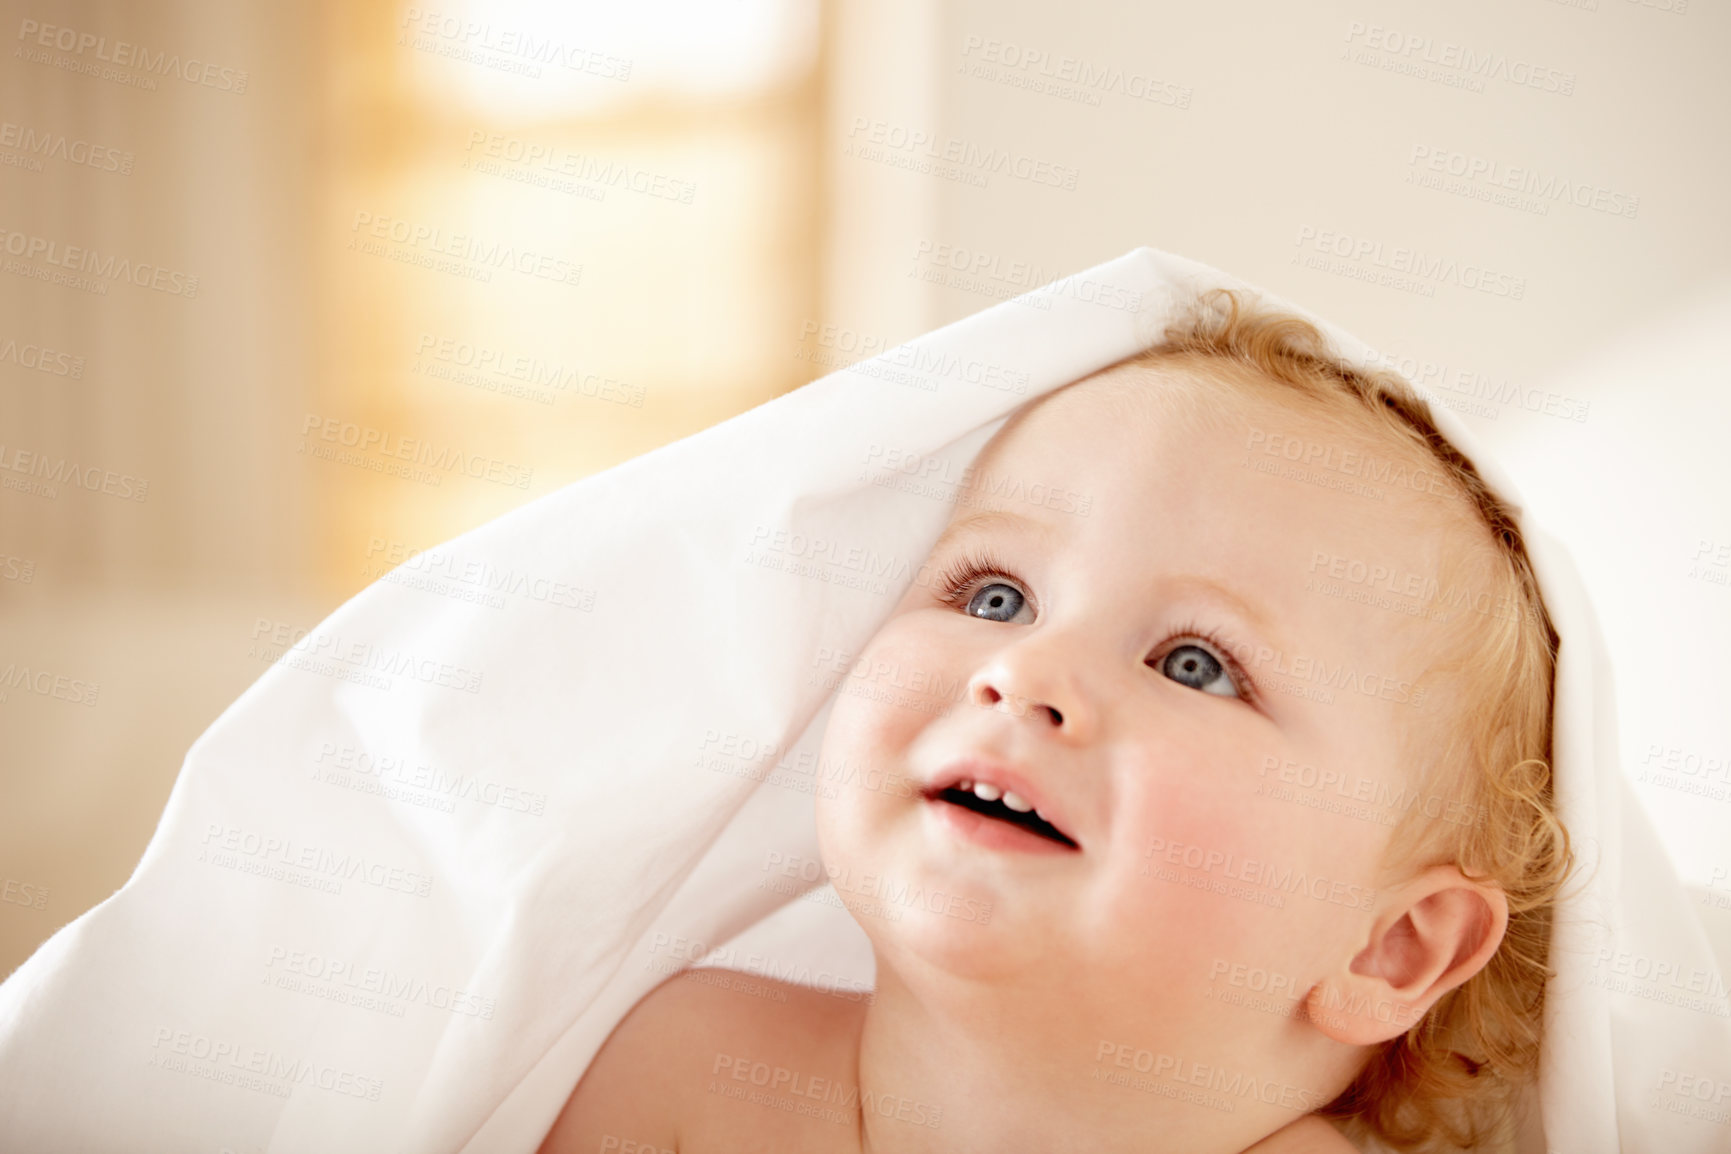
(409, 882)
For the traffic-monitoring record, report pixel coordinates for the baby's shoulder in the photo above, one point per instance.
(676, 1072)
(770, 1066)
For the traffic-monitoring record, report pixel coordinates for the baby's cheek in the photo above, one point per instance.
(864, 765)
(1210, 877)
(902, 682)
(1258, 884)
(851, 743)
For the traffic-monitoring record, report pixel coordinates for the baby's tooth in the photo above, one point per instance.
(1017, 802)
(987, 792)
(964, 785)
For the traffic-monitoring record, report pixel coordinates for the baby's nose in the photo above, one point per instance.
(989, 696)
(1038, 678)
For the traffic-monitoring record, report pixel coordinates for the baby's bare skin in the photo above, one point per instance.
(676, 1076)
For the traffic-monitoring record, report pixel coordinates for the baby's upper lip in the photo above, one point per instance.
(976, 767)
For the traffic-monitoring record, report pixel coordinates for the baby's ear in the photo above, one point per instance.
(1430, 935)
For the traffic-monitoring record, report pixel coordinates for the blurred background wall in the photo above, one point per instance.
(251, 251)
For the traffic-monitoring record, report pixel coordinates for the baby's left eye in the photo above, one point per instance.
(1194, 666)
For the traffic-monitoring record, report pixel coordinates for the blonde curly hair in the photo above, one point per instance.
(1452, 1080)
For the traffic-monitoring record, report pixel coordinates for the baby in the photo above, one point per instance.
(1243, 813)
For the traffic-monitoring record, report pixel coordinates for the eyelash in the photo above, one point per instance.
(963, 574)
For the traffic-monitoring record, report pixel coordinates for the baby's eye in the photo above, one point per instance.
(1194, 666)
(996, 602)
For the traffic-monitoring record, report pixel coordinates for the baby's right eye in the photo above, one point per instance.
(982, 586)
(996, 598)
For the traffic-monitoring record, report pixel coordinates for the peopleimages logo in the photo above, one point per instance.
(136, 57)
(315, 651)
(536, 372)
(1543, 187)
(104, 267)
(40, 358)
(59, 146)
(903, 147)
(236, 1063)
(1414, 50)
(424, 243)
(583, 167)
(1203, 1084)
(413, 451)
(46, 472)
(1066, 77)
(1369, 256)
(350, 977)
(46, 683)
(227, 846)
(1277, 879)
(449, 35)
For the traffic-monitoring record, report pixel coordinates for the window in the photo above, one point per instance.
(555, 236)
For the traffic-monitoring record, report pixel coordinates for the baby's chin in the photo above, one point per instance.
(1032, 979)
(923, 915)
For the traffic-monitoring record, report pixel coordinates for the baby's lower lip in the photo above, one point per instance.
(991, 833)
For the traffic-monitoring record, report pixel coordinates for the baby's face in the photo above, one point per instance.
(1168, 681)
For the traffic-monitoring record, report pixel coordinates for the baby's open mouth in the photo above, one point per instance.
(992, 805)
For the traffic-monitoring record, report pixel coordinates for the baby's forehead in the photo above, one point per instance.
(1179, 400)
(1183, 395)
(1392, 529)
